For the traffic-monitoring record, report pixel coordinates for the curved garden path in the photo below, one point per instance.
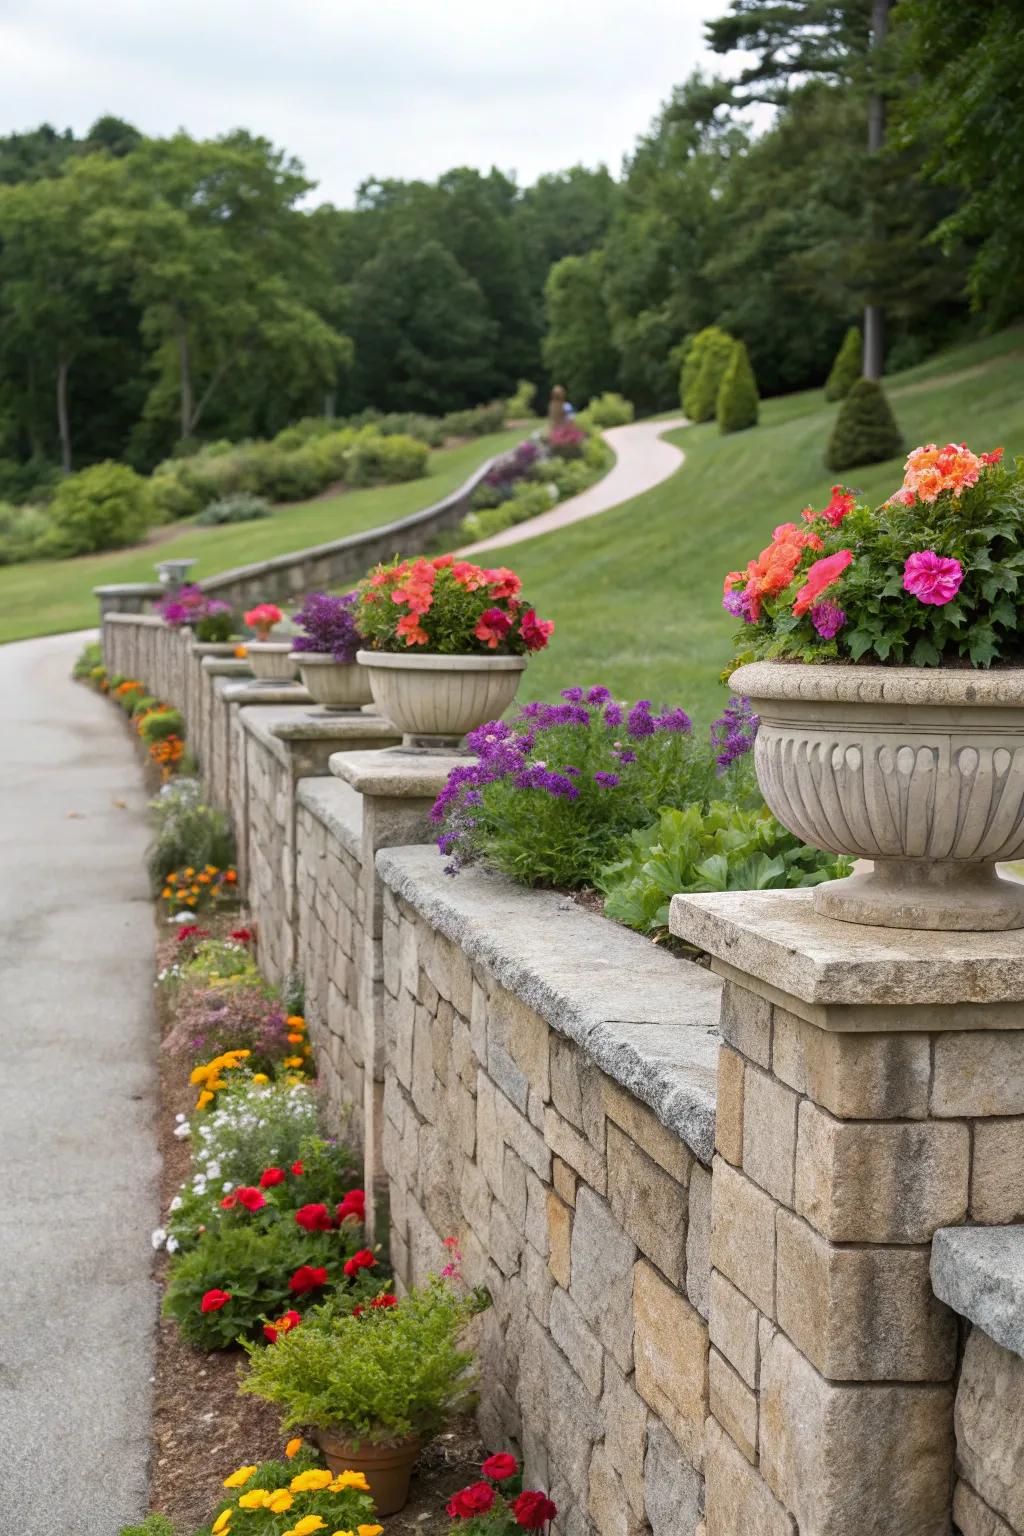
(77, 1105)
(642, 460)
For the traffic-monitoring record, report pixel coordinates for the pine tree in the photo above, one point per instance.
(846, 369)
(737, 394)
(709, 356)
(866, 431)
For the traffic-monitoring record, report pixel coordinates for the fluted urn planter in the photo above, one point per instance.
(272, 661)
(920, 769)
(435, 700)
(337, 685)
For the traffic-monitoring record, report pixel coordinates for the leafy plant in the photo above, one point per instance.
(188, 833)
(103, 507)
(520, 404)
(294, 1496)
(375, 459)
(709, 355)
(846, 369)
(865, 430)
(498, 1504)
(242, 508)
(478, 421)
(737, 406)
(216, 627)
(330, 626)
(153, 1525)
(23, 533)
(89, 658)
(450, 608)
(720, 847)
(607, 410)
(159, 724)
(380, 1376)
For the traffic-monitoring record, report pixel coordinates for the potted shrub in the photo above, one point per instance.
(887, 668)
(447, 644)
(210, 619)
(271, 660)
(374, 1382)
(326, 652)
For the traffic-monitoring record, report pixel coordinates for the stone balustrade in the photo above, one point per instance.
(748, 1231)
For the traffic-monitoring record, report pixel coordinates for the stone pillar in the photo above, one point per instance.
(398, 789)
(864, 1080)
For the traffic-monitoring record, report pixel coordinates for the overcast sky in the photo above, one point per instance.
(402, 88)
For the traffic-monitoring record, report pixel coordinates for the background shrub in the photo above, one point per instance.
(377, 460)
(242, 508)
(520, 404)
(709, 355)
(476, 422)
(34, 480)
(189, 833)
(161, 724)
(865, 430)
(737, 405)
(103, 507)
(23, 532)
(607, 410)
(846, 368)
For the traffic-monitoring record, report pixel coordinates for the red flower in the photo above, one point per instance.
(477, 1499)
(271, 1176)
(251, 1198)
(503, 582)
(308, 1277)
(492, 626)
(243, 935)
(192, 931)
(822, 574)
(297, 1168)
(314, 1218)
(214, 1300)
(228, 1201)
(991, 458)
(380, 1302)
(354, 1204)
(535, 632)
(533, 1510)
(499, 1467)
(284, 1324)
(364, 1259)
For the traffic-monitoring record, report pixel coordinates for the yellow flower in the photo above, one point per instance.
(293, 1061)
(370, 1530)
(167, 893)
(256, 1498)
(220, 1526)
(292, 1039)
(190, 872)
(306, 1482)
(294, 1446)
(279, 1501)
(307, 1525)
(239, 1479)
(261, 1077)
(295, 1021)
(346, 1533)
(206, 1097)
(292, 1080)
(350, 1480)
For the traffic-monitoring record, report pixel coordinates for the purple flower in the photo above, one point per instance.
(574, 695)
(613, 714)
(738, 604)
(733, 732)
(625, 755)
(640, 723)
(599, 695)
(330, 626)
(606, 780)
(674, 720)
(828, 618)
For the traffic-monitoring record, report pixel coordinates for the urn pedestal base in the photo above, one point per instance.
(946, 896)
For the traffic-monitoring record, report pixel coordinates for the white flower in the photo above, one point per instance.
(175, 1204)
(180, 1118)
(182, 1130)
(227, 1187)
(172, 1245)
(213, 1170)
(159, 1237)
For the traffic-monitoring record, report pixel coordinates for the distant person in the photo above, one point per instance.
(569, 410)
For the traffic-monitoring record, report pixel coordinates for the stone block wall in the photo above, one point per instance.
(583, 1212)
(989, 1495)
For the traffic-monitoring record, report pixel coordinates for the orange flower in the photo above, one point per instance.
(822, 574)
(409, 626)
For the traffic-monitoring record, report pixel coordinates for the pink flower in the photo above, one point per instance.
(931, 578)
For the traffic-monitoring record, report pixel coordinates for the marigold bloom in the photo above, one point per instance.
(256, 1498)
(240, 1478)
(311, 1481)
(369, 1530)
(350, 1479)
(822, 574)
(293, 1448)
(220, 1526)
(280, 1501)
(308, 1524)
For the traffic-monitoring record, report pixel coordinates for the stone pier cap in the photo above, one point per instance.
(979, 1272)
(399, 773)
(849, 977)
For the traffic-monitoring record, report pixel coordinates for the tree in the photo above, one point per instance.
(709, 356)
(737, 404)
(578, 351)
(963, 65)
(865, 430)
(423, 336)
(846, 368)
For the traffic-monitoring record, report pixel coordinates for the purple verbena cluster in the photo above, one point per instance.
(330, 626)
(733, 733)
(188, 605)
(513, 466)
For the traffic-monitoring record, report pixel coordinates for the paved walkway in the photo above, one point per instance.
(77, 1106)
(642, 460)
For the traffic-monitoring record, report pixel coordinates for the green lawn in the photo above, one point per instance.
(636, 593)
(46, 597)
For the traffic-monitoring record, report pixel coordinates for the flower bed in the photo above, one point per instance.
(534, 477)
(160, 727)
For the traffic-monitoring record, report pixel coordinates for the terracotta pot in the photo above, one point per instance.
(435, 700)
(388, 1468)
(920, 769)
(272, 660)
(337, 685)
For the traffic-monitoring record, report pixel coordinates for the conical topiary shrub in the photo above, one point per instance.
(847, 367)
(865, 431)
(709, 356)
(737, 393)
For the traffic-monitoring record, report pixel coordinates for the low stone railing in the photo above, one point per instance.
(709, 1260)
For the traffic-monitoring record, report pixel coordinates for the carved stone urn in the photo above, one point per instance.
(920, 769)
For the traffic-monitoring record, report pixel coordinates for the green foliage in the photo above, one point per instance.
(385, 1375)
(161, 724)
(215, 628)
(23, 533)
(608, 410)
(478, 422)
(846, 369)
(346, 1508)
(89, 657)
(520, 404)
(527, 503)
(172, 494)
(709, 356)
(153, 1525)
(737, 404)
(242, 508)
(865, 430)
(142, 702)
(188, 832)
(104, 507)
(718, 847)
(375, 459)
(34, 480)
(578, 350)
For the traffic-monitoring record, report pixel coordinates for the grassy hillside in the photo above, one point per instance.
(636, 593)
(45, 597)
